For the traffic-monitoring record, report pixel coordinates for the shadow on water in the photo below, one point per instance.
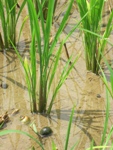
(15, 82)
(86, 120)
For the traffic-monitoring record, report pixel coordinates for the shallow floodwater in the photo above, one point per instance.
(82, 88)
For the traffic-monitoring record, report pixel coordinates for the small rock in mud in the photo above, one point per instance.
(98, 96)
(4, 85)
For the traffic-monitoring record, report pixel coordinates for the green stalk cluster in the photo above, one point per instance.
(94, 45)
(48, 69)
(44, 4)
(8, 19)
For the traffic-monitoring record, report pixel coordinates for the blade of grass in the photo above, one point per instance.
(21, 28)
(69, 129)
(21, 132)
(106, 118)
(92, 22)
(66, 70)
(108, 138)
(3, 21)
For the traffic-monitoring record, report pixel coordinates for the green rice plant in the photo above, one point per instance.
(68, 132)
(44, 4)
(8, 19)
(48, 68)
(30, 73)
(94, 45)
(40, 32)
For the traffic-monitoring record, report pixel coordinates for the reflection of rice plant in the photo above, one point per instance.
(9, 18)
(94, 45)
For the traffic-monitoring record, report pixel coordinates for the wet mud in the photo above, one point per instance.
(82, 88)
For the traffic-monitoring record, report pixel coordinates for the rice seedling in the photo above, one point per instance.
(68, 132)
(40, 32)
(30, 73)
(94, 45)
(9, 19)
(47, 68)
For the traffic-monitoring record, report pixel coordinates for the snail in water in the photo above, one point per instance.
(4, 85)
(46, 131)
(25, 119)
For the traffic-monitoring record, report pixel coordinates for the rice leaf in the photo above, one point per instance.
(69, 129)
(5, 132)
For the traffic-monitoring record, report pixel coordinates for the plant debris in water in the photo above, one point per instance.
(3, 119)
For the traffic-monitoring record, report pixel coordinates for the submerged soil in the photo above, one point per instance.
(82, 88)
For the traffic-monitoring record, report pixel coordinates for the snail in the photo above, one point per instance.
(25, 119)
(46, 131)
(4, 85)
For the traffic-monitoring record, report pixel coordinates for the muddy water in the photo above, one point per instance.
(82, 88)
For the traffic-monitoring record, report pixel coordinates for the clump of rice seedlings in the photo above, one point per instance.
(48, 68)
(94, 45)
(40, 33)
(8, 19)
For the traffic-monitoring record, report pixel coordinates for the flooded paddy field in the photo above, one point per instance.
(82, 89)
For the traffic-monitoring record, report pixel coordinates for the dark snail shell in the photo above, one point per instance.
(4, 85)
(46, 131)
